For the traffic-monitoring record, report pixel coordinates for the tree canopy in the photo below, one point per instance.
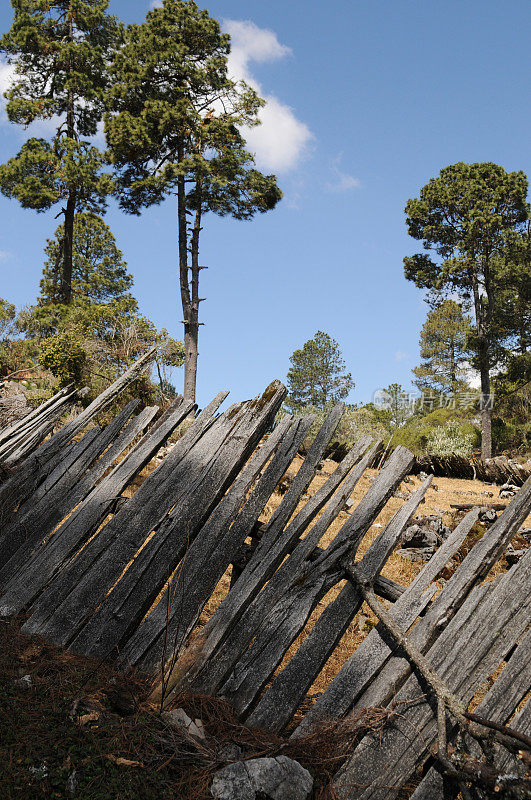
(464, 218)
(443, 349)
(173, 126)
(60, 51)
(316, 377)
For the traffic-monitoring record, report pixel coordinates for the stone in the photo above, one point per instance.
(422, 476)
(487, 514)
(178, 718)
(508, 490)
(419, 536)
(416, 553)
(279, 778)
(401, 495)
(229, 751)
(526, 533)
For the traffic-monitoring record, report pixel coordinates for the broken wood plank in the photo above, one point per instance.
(140, 515)
(482, 640)
(66, 501)
(369, 658)
(212, 550)
(473, 569)
(244, 609)
(281, 700)
(281, 610)
(272, 547)
(51, 503)
(32, 471)
(214, 465)
(498, 705)
(25, 587)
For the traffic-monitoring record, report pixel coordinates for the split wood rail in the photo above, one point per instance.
(128, 577)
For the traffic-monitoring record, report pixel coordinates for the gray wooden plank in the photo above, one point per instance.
(215, 464)
(280, 702)
(141, 514)
(45, 562)
(30, 473)
(231, 629)
(11, 570)
(51, 503)
(369, 658)
(474, 568)
(122, 609)
(213, 550)
(268, 623)
(482, 640)
(498, 705)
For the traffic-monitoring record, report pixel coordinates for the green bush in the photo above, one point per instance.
(450, 440)
(65, 356)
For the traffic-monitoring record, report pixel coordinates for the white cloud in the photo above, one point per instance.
(342, 181)
(7, 72)
(281, 139)
(400, 355)
(155, 4)
(4, 255)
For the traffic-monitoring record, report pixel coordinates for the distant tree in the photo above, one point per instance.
(316, 377)
(395, 401)
(60, 50)
(443, 349)
(7, 318)
(464, 217)
(173, 127)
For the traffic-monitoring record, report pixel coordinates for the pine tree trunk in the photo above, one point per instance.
(486, 405)
(70, 210)
(190, 330)
(68, 249)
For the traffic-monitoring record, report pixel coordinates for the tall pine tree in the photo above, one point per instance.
(463, 218)
(173, 128)
(60, 49)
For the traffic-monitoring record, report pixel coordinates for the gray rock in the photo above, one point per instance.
(401, 495)
(279, 778)
(178, 718)
(416, 553)
(508, 490)
(419, 536)
(229, 751)
(487, 514)
(526, 533)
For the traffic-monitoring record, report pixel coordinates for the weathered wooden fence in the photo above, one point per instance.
(128, 578)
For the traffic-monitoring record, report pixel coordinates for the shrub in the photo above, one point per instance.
(450, 440)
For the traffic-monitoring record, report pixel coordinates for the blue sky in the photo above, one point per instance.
(367, 102)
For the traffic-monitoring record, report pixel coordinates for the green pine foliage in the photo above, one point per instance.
(443, 349)
(316, 377)
(99, 272)
(174, 127)
(464, 218)
(60, 51)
